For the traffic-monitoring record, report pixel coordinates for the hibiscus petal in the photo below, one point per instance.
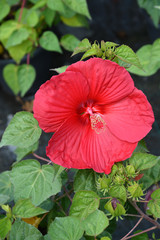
(131, 118)
(64, 148)
(78, 146)
(58, 98)
(102, 150)
(108, 81)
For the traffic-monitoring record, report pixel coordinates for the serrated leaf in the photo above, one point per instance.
(65, 228)
(95, 223)
(26, 77)
(85, 180)
(75, 21)
(149, 58)
(4, 9)
(6, 187)
(78, 6)
(135, 190)
(118, 191)
(89, 53)
(49, 41)
(31, 180)
(84, 203)
(111, 44)
(69, 42)
(5, 227)
(154, 204)
(142, 161)
(22, 230)
(7, 28)
(25, 209)
(23, 130)
(17, 37)
(83, 46)
(126, 54)
(11, 77)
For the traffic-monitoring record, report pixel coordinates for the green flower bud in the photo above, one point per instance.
(130, 170)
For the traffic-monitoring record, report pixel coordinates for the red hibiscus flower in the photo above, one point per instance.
(97, 114)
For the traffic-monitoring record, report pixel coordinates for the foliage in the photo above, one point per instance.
(69, 204)
(28, 25)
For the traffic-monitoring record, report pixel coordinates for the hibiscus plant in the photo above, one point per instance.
(98, 169)
(26, 26)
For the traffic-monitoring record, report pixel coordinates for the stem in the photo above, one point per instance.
(132, 215)
(144, 215)
(28, 58)
(132, 229)
(136, 234)
(41, 158)
(67, 194)
(21, 11)
(106, 197)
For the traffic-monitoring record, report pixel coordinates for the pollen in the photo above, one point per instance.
(97, 123)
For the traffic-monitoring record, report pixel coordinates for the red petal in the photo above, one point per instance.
(108, 81)
(131, 118)
(78, 146)
(57, 99)
(64, 147)
(102, 150)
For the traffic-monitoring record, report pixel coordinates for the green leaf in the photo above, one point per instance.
(17, 37)
(12, 2)
(75, 21)
(78, 6)
(69, 42)
(23, 130)
(85, 180)
(84, 203)
(7, 28)
(142, 161)
(49, 16)
(151, 176)
(135, 190)
(154, 204)
(60, 69)
(149, 58)
(39, 4)
(89, 53)
(11, 77)
(29, 17)
(22, 152)
(118, 211)
(5, 226)
(149, 6)
(4, 199)
(83, 46)
(56, 5)
(31, 180)
(95, 223)
(4, 9)
(25, 209)
(141, 147)
(126, 54)
(22, 230)
(65, 228)
(118, 191)
(49, 41)
(26, 77)
(6, 187)
(19, 51)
